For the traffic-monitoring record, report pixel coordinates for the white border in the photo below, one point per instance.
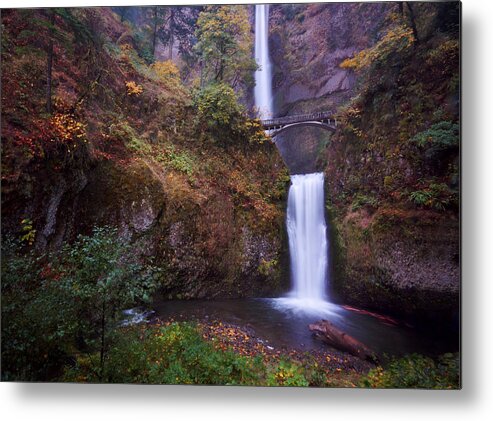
(109, 402)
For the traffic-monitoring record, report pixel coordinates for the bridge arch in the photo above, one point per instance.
(325, 126)
(322, 120)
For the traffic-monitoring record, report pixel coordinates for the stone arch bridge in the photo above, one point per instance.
(324, 120)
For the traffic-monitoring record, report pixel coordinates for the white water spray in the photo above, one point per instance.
(263, 76)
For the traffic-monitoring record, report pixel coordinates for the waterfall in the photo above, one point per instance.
(263, 76)
(308, 249)
(307, 237)
(306, 226)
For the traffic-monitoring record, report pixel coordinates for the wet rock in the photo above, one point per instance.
(401, 265)
(142, 215)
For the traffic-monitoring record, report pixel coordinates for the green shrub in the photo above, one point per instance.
(281, 186)
(138, 145)
(362, 200)
(440, 138)
(416, 371)
(28, 231)
(125, 133)
(437, 196)
(99, 278)
(388, 181)
(287, 373)
(181, 161)
(23, 349)
(223, 119)
(68, 302)
(267, 267)
(420, 197)
(176, 354)
(218, 110)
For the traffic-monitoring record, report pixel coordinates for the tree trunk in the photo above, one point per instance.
(220, 70)
(171, 33)
(171, 40)
(220, 75)
(201, 64)
(327, 332)
(154, 33)
(412, 21)
(103, 345)
(49, 63)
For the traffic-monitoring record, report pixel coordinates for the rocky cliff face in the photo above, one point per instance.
(401, 262)
(203, 244)
(307, 44)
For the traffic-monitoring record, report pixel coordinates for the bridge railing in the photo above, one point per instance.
(296, 119)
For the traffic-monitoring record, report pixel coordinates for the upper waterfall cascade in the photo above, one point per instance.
(263, 75)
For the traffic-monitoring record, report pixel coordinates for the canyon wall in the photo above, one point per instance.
(392, 251)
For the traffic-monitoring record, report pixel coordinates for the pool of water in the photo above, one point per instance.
(283, 323)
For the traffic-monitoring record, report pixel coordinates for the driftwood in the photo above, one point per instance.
(327, 332)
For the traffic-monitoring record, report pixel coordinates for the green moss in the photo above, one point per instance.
(337, 248)
(268, 267)
(138, 145)
(388, 181)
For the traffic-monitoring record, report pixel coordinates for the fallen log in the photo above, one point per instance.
(384, 319)
(336, 338)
